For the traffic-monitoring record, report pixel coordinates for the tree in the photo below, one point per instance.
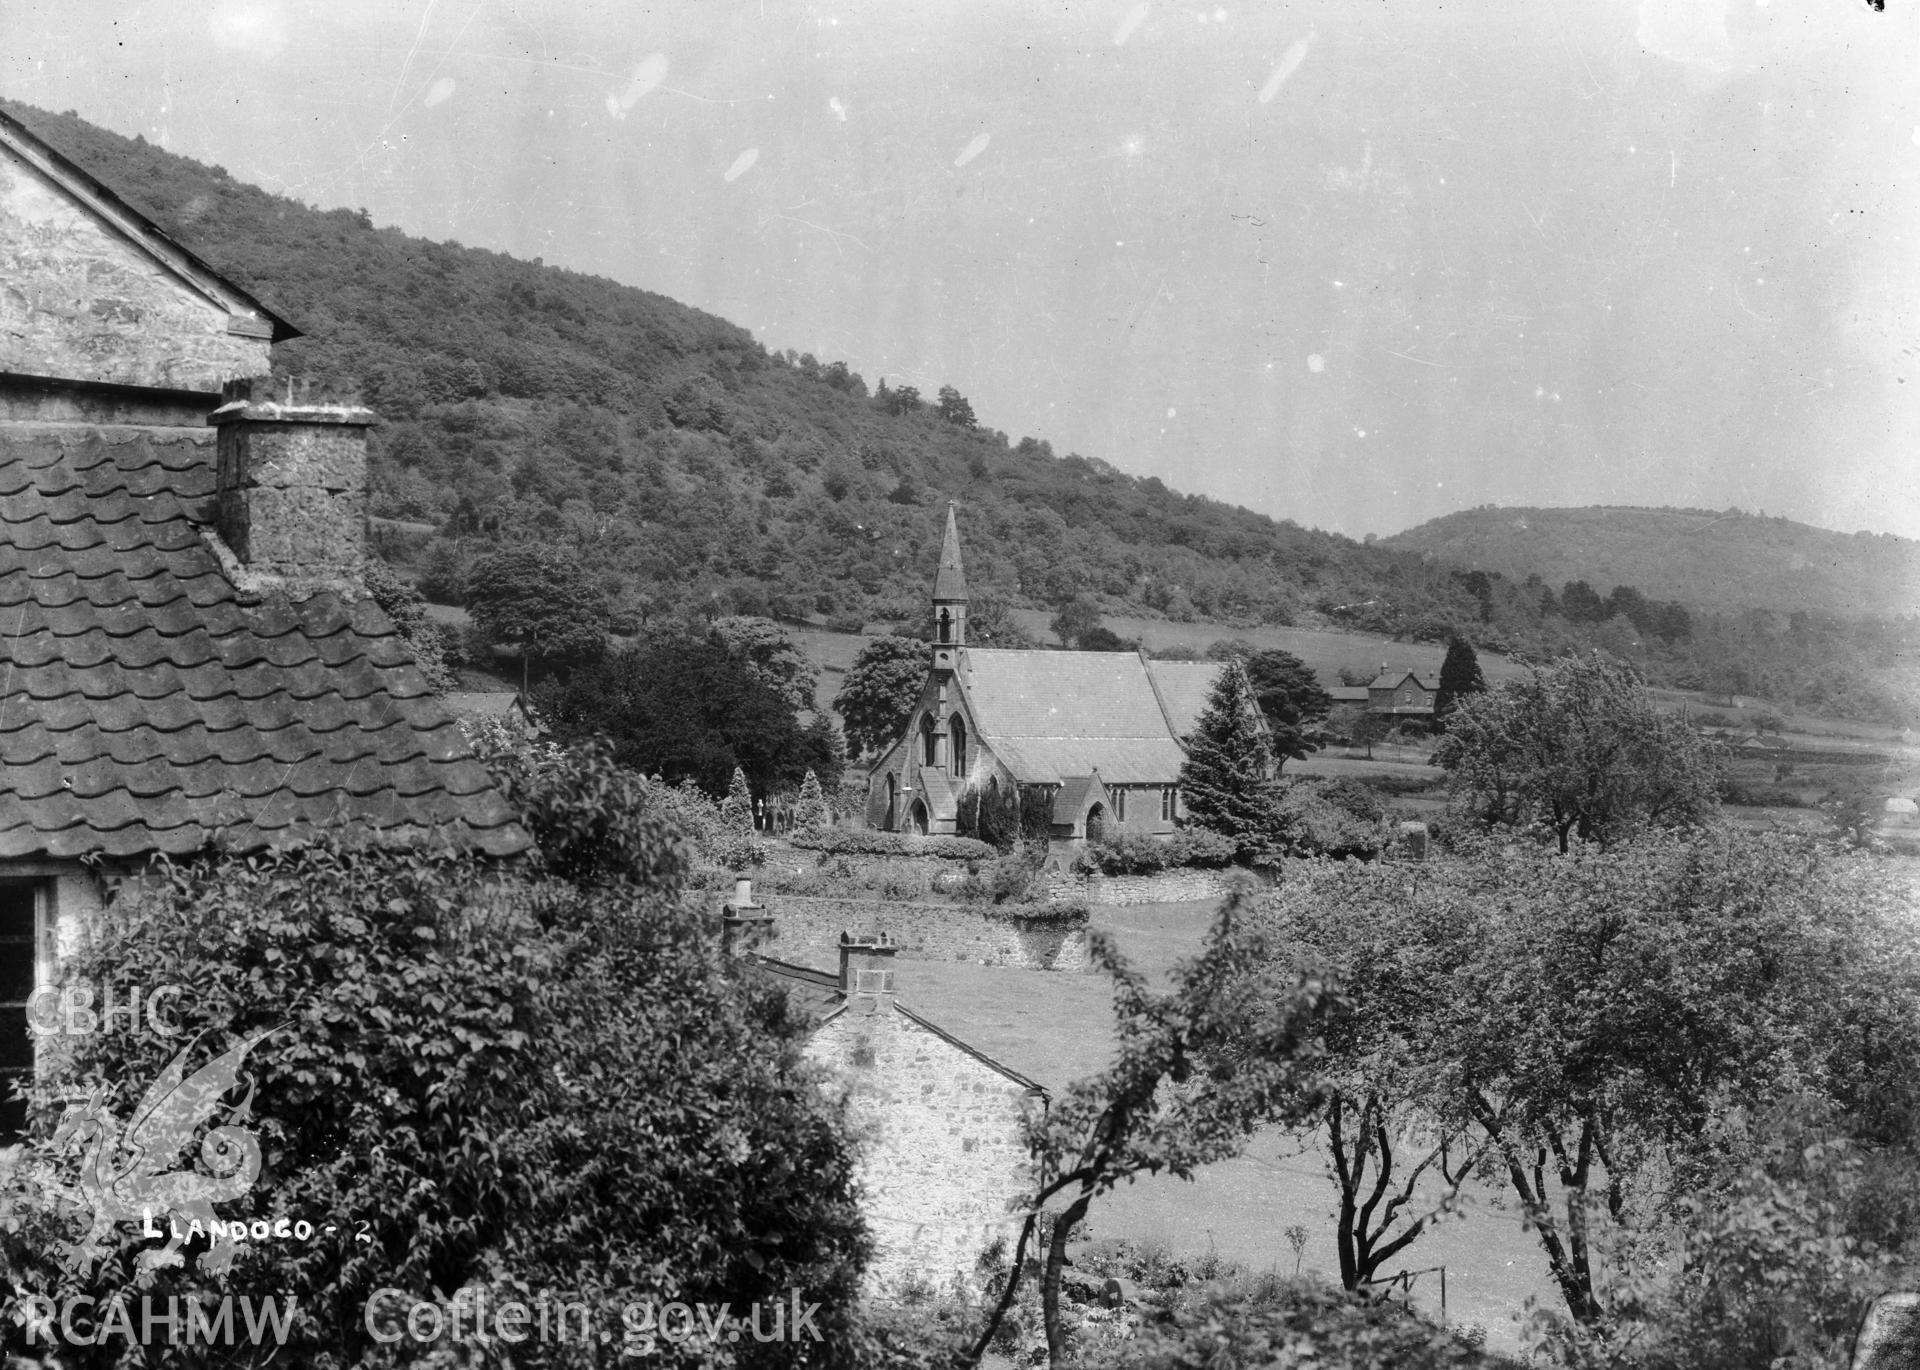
(1578, 748)
(1395, 950)
(880, 690)
(1228, 1047)
(435, 1082)
(990, 622)
(680, 704)
(543, 600)
(1078, 617)
(902, 399)
(1599, 1031)
(1226, 781)
(810, 810)
(1581, 603)
(737, 807)
(954, 409)
(1293, 701)
(1631, 1003)
(770, 653)
(1459, 676)
(1359, 725)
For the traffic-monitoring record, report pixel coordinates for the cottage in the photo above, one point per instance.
(1100, 734)
(944, 1160)
(190, 659)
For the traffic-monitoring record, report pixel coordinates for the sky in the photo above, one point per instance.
(1350, 262)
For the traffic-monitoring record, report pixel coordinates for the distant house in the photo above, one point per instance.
(1403, 693)
(944, 1159)
(1099, 732)
(1900, 811)
(1349, 694)
(190, 659)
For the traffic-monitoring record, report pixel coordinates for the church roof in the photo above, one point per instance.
(1053, 715)
(148, 705)
(950, 582)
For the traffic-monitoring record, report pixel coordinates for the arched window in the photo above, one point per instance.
(946, 626)
(957, 735)
(893, 801)
(929, 747)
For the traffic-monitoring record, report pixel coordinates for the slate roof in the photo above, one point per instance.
(1347, 694)
(147, 706)
(1051, 715)
(1390, 680)
(950, 581)
(815, 996)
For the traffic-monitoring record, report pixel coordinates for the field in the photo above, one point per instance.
(1057, 1027)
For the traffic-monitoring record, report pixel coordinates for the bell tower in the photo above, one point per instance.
(949, 600)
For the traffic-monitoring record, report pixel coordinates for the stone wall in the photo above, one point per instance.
(1162, 887)
(942, 1151)
(806, 931)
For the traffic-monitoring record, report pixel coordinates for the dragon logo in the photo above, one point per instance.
(127, 1176)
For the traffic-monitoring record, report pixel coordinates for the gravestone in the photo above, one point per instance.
(1889, 1337)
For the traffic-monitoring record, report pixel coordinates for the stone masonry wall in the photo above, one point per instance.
(80, 302)
(1162, 887)
(942, 1156)
(806, 931)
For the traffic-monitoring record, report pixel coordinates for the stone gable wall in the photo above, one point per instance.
(942, 1156)
(806, 931)
(79, 302)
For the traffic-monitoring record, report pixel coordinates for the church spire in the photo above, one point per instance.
(950, 583)
(950, 590)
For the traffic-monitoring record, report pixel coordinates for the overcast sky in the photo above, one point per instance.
(1348, 262)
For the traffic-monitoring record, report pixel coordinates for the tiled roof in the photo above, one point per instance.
(812, 995)
(1388, 680)
(146, 705)
(1347, 694)
(1051, 715)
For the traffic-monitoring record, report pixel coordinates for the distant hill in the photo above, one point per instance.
(1713, 561)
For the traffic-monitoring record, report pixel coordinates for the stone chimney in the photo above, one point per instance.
(744, 925)
(866, 972)
(292, 493)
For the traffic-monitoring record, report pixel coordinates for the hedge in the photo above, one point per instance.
(870, 842)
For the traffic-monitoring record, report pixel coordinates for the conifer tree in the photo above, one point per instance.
(1459, 676)
(737, 807)
(1227, 781)
(810, 809)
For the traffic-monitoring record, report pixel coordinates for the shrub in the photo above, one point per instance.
(872, 842)
(502, 1085)
(1313, 822)
(1120, 852)
(1006, 879)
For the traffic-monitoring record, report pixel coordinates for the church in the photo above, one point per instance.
(1099, 733)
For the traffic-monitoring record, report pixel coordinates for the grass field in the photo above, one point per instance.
(1058, 1027)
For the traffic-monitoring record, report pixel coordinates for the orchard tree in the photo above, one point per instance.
(1359, 724)
(1395, 945)
(1580, 750)
(881, 688)
(1459, 677)
(1230, 1046)
(1628, 1007)
(544, 600)
(1227, 781)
